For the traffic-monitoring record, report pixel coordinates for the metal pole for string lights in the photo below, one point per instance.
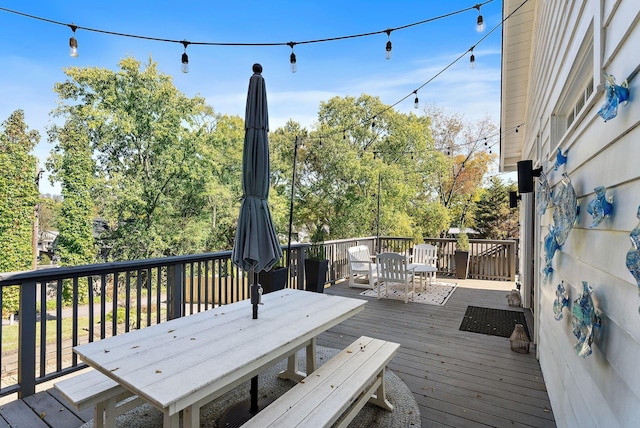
(293, 186)
(378, 219)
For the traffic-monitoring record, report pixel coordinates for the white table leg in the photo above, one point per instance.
(171, 421)
(311, 357)
(191, 417)
(293, 372)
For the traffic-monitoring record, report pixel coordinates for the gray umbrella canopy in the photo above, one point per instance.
(256, 246)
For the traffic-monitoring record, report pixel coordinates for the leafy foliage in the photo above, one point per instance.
(462, 242)
(141, 154)
(18, 201)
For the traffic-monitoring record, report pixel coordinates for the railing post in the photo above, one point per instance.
(175, 273)
(27, 340)
(512, 261)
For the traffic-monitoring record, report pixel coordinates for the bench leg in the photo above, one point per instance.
(359, 404)
(380, 397)
(104, 414)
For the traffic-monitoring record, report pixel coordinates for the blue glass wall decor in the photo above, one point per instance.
(601, 207)
(550, 248)
(633, 255)
(560, 159)
(566, 209)
(543, 194)
(615, 96)
(584, 321)
(561, 302)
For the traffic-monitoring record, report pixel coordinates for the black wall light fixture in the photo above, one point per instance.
(513, 199)
(525, 176)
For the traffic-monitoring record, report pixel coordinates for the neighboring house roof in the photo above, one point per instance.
(467, 230)
(49, 235)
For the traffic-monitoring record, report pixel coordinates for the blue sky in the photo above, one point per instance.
(33, 53)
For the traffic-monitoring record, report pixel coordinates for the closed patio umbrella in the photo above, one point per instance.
(256, 245)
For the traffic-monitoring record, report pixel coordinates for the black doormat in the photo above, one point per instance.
(496, 322)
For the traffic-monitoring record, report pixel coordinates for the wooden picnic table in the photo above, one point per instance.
(182, 364)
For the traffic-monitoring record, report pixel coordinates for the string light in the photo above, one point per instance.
(73, 43)
(480, 21)
(472, 59)
(388, 48)
(185, 58)
(416, 103)
(292, 58)
(389, 107)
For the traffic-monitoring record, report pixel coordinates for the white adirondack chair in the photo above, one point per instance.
(362, 269)
(393, 268)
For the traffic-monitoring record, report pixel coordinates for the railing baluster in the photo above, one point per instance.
(43, 328)
(59, 337)
(91, 314)
(103, 306)
(127, 303)
(27, 340)
(138, 299)
(114, 305)
(158, 295)
(74, 321)
(149, 293)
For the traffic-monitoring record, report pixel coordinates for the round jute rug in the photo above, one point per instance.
(405, 414)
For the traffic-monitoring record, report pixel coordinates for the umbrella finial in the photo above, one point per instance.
(257, 68)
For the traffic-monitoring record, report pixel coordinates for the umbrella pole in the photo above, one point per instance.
(255, 296)
(253, 409)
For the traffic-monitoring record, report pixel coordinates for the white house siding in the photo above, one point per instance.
(602, 389)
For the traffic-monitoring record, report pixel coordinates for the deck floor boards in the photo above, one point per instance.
(459, 379)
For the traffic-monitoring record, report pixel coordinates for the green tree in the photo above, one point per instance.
(345, 160)
(222, 167)
(19, 196)
(72, 164)
(136, 145)
(494, 219)
(466, 145)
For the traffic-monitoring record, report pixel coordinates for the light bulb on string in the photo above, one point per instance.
(292, 58)
(73, 43)
(185, 58)
(480, 21)
(416, 103)
(472, 59)
(387, 54)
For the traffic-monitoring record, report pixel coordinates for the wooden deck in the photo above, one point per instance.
(458, 379)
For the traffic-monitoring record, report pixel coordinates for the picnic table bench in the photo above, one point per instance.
(106, 396)
(336, 391)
